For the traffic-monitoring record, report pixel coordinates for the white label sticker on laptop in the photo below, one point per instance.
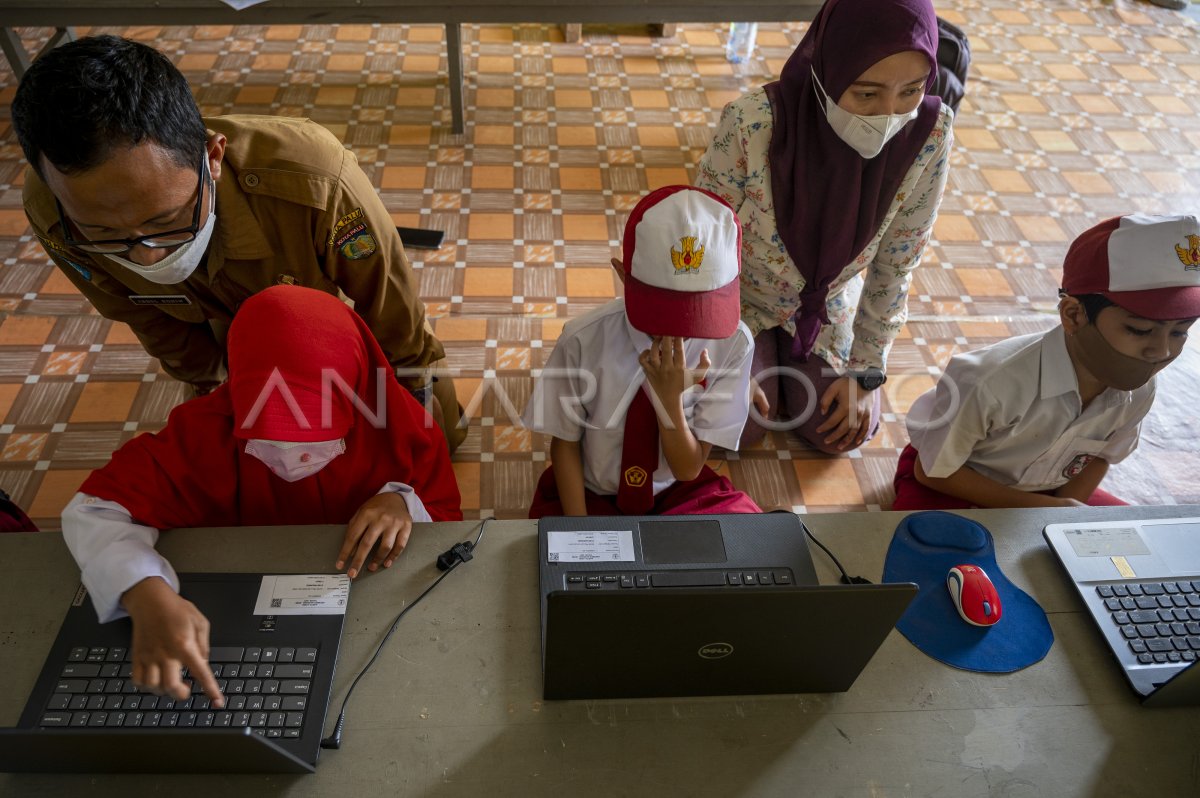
(590, 546)
(303, 594)
(1116, 542)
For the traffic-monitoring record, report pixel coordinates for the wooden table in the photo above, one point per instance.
(453, 707)
(62, 14)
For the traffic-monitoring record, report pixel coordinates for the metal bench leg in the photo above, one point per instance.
(14, 51)
(455, 56)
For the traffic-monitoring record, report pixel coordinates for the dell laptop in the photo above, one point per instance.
(636, 607)
(273, 645)
(1140, 580)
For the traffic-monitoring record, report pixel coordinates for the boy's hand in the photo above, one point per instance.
(846, 429)
(667, 372)
(383, 519)
(169, 634)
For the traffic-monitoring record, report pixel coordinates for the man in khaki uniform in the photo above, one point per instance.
(270, 200)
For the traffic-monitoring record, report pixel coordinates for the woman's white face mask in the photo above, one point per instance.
(865, 134)
(295, 461)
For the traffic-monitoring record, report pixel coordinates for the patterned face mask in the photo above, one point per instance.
(295, 461)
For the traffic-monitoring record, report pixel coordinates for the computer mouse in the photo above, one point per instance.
(974, 595)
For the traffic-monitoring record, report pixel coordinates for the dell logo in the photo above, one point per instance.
(715, 651)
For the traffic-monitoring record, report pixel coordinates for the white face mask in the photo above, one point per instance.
(179, 265)
(291, 461)
(866, 134)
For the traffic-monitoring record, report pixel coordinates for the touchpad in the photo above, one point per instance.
(681, 542)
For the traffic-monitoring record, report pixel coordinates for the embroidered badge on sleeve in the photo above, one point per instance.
(351, 236)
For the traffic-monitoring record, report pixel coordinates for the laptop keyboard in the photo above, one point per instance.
(633, 580)
(266, 689)
(1159, 620)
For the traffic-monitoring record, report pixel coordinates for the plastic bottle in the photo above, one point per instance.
(740, 46)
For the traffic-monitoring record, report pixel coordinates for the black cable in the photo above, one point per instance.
(447, 561)
(846, 579)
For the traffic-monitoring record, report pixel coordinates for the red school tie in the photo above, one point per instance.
(639, 456)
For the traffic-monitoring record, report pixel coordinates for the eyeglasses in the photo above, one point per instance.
(116, 246)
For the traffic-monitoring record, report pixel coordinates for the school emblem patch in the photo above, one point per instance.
(358, 246)
(635, 476)
(688, 257)
(352, 237)
(1077, 464)
(1190, 255)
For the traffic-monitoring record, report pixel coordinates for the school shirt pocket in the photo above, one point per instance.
(1061, 463)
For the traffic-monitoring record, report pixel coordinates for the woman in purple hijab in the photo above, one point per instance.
(836, 170)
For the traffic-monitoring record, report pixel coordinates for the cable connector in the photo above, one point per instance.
(334, 740)
(458, 553)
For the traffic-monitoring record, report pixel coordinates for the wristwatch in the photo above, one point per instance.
(869, 379)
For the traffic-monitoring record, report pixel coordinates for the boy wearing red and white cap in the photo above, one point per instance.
(1036, 421)
(638, 391)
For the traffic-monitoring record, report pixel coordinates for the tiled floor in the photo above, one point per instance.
(1075, 111)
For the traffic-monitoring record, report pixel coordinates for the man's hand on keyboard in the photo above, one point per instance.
(169, 634)
(384, 520)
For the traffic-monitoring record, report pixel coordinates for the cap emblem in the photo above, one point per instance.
(1189, 255)
(688, 257)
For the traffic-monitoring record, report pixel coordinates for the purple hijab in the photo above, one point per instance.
(829, 200)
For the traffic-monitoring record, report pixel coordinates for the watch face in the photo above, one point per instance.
(870, 380)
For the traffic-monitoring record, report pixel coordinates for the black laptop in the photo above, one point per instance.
(636, 607)
(275, 671)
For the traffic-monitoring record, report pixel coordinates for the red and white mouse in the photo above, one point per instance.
(974, 595)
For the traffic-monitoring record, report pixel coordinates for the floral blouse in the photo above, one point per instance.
(735, 167)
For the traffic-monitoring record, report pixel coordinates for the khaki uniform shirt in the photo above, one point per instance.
(293, 207)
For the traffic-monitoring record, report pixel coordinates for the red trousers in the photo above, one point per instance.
(708, 493)
(912, 495)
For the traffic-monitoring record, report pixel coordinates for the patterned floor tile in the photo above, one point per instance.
(1073, 113)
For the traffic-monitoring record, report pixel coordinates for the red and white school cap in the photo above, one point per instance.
(1149, 265)
(683, 255)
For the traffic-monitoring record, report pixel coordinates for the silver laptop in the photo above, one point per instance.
(1141, 582)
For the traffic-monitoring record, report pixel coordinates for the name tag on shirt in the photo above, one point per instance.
(159, 299)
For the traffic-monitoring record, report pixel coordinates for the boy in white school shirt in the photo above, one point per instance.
(1036, 421)
(676, 340)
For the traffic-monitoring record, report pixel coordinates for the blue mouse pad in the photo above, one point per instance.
(925, 547)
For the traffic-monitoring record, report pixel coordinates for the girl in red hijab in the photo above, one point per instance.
(312, 428)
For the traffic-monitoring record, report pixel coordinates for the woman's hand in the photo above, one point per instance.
(847, 423)
(383, 519)
(758, 398)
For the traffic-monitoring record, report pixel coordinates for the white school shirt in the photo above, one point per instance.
(114, 552)
(1012, 412)
(593, 374)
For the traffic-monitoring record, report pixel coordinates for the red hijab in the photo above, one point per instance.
(288, 348)
(829, 200)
